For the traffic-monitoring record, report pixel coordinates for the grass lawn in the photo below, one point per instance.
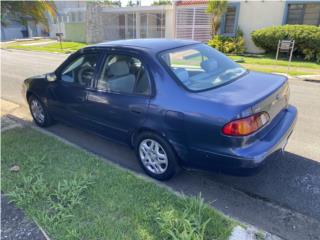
(73, 194)
(270, 61)
(279, 69)
(67, 47)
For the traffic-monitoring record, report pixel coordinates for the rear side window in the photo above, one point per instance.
(124, 74)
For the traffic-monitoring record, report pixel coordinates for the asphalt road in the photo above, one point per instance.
(284, 198)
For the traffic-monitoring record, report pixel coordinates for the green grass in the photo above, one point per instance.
(270, 61)
(73, 194)
(277, 70)
(67, 47)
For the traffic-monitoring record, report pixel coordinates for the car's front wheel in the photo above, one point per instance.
(156, 156)
(39, 112)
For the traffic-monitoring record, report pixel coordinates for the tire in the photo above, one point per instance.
(39, 112)
(156, 157)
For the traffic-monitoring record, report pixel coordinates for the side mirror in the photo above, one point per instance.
(51, 77)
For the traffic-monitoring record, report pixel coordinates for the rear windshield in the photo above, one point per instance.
(199, 67)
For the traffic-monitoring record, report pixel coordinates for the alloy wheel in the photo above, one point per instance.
(153, 156)
(37, 111)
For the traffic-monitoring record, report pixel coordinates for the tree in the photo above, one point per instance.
(22, 11)
(161, 2)
(133, 3)
(216, 8)
(115, 3)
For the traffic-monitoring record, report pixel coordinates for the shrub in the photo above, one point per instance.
(307, 39)
(233, 45)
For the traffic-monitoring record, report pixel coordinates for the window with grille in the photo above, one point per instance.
(193, 23)
(304, 14)
(230, 20)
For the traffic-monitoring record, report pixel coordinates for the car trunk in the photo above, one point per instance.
(252, 93)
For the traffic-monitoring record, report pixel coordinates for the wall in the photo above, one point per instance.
(75, 32)
(110, 27)
(259, 14)
(170, 23)
(56, 28)
(94, 23)
(11, 31)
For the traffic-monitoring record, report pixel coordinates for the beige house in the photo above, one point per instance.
(181, 19)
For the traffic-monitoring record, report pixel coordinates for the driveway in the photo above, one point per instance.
(284, 198)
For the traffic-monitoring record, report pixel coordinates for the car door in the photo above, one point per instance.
(74, 79)
(120, 101)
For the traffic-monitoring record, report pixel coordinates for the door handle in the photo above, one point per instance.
(137, 110)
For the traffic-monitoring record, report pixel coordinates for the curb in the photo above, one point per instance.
(251, 233)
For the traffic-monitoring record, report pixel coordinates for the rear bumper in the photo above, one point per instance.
(256, 154)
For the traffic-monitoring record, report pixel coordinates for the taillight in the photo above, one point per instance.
(246, 126)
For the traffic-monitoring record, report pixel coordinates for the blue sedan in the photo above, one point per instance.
(176, 102)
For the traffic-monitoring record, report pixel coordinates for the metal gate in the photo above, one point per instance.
(192, 22)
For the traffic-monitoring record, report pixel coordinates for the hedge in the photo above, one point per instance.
(307, 39)
(233, 45)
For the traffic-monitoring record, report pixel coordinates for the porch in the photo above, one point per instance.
(137, 22)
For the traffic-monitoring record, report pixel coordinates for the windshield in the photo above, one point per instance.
(200, 67)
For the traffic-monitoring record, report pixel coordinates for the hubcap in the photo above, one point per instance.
(153, 156)
(37, 111)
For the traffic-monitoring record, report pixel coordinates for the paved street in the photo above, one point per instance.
(19, 65)
(284, 198)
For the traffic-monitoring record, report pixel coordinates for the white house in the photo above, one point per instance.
(192, 22)
(182, 19)
(14, 30)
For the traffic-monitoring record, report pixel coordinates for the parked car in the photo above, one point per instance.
(176, 102)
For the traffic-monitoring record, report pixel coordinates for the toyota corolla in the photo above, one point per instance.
(176, 102)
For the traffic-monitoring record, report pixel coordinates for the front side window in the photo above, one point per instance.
(199, 67)
(124, 74)
(81, 70)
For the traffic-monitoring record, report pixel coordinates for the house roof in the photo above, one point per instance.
(153, 44)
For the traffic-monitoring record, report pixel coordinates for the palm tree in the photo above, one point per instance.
(216, 8)
(22, 11)
(161, 2)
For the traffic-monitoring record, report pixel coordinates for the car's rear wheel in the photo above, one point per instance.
(156, 156)
(39, 112)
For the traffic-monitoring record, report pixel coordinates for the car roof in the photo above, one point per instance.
(148, 44)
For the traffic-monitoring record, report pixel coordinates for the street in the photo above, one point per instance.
(284, 198)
